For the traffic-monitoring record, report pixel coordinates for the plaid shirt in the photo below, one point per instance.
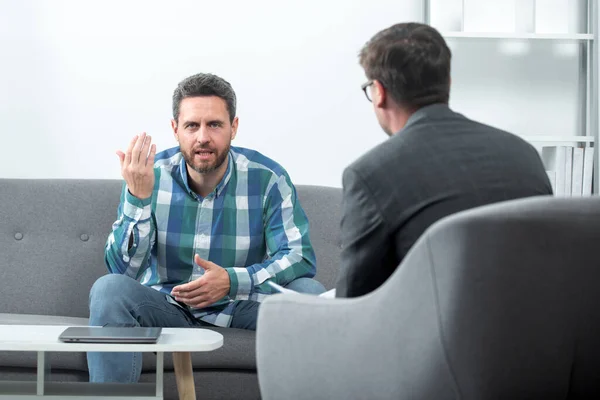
(252, 224)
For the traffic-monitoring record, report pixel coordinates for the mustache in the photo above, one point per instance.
(206, 148)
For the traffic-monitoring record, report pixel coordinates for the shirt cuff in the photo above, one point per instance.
(137, 209)
(240, 281)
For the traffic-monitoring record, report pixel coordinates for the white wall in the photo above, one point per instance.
(79, 78)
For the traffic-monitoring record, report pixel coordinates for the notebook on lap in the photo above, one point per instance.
(110, 334)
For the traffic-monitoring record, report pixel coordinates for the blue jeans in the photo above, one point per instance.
(119, 300)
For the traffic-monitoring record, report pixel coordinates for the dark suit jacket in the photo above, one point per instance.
(439, 164)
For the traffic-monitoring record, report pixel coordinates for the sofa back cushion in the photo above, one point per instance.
(52, 241)
(53, 232)
(323, 208)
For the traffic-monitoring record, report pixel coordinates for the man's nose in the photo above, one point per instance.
(203, 135)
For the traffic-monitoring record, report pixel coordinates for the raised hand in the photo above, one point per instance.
(137, 166)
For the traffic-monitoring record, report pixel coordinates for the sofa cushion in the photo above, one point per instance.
(238, 352)
(31, 319)
(323, 209)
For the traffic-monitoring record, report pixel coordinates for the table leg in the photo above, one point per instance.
(184, 376)
(41, 372)
(159, 374)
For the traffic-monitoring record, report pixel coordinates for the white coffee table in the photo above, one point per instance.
(44, 338)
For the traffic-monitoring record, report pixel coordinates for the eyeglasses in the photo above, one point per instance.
(364, 88)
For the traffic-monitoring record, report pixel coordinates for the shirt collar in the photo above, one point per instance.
(222, 184)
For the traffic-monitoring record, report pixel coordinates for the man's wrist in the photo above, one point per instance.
(138, 201)
(137, 209)
(232, 282)
(141, 198)
(240, 282)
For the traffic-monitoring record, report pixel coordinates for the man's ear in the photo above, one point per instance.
(234, 127)
(174, 127)
(379, 94)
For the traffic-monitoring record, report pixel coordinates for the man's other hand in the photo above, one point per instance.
(206, 290)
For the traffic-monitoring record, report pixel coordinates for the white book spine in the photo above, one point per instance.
(568, 170)
(552, 178)
(588, 167)
(577, 172)
(554, 158)
(561, 155)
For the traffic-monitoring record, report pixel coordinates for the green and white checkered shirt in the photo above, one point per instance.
(252, 224)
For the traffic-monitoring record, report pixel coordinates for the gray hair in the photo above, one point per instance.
(204, 85)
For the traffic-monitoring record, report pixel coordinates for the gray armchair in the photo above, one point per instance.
(499, 302)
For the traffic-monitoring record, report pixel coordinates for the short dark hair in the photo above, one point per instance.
(204, 85)
(412, 62)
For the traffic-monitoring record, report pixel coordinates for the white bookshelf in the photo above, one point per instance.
(586, 134)
(520, 35)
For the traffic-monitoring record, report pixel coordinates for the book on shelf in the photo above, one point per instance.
(588, 165)
(577, 180)
(552, 179)
(555, 158)
(568, 171)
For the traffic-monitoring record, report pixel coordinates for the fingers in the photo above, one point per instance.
(191, 295)
(145, 150)
(151, 156)
(121, 157)
(206, 265)
(135, 153)
(188, 287)
(198, 302)
(203, 304)
(130, 149)
(140, 151)
(197, 298)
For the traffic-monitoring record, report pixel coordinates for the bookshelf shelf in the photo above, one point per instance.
(557, 139)
(517, 35)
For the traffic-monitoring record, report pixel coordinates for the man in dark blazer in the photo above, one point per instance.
(437, 162)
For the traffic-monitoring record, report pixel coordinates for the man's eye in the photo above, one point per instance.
(192, 125)
(215, 125)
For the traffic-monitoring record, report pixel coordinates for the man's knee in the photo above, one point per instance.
(306, 285)
(112, 286)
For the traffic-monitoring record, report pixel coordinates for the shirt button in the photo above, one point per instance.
(84, 237)
(18, 236)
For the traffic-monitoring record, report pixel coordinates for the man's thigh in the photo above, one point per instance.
(245, 315)
(120, 300)
(306, 285)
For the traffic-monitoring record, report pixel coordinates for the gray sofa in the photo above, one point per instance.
(52, 236)
(499, 302)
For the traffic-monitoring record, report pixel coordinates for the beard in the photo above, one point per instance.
(205, 167)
